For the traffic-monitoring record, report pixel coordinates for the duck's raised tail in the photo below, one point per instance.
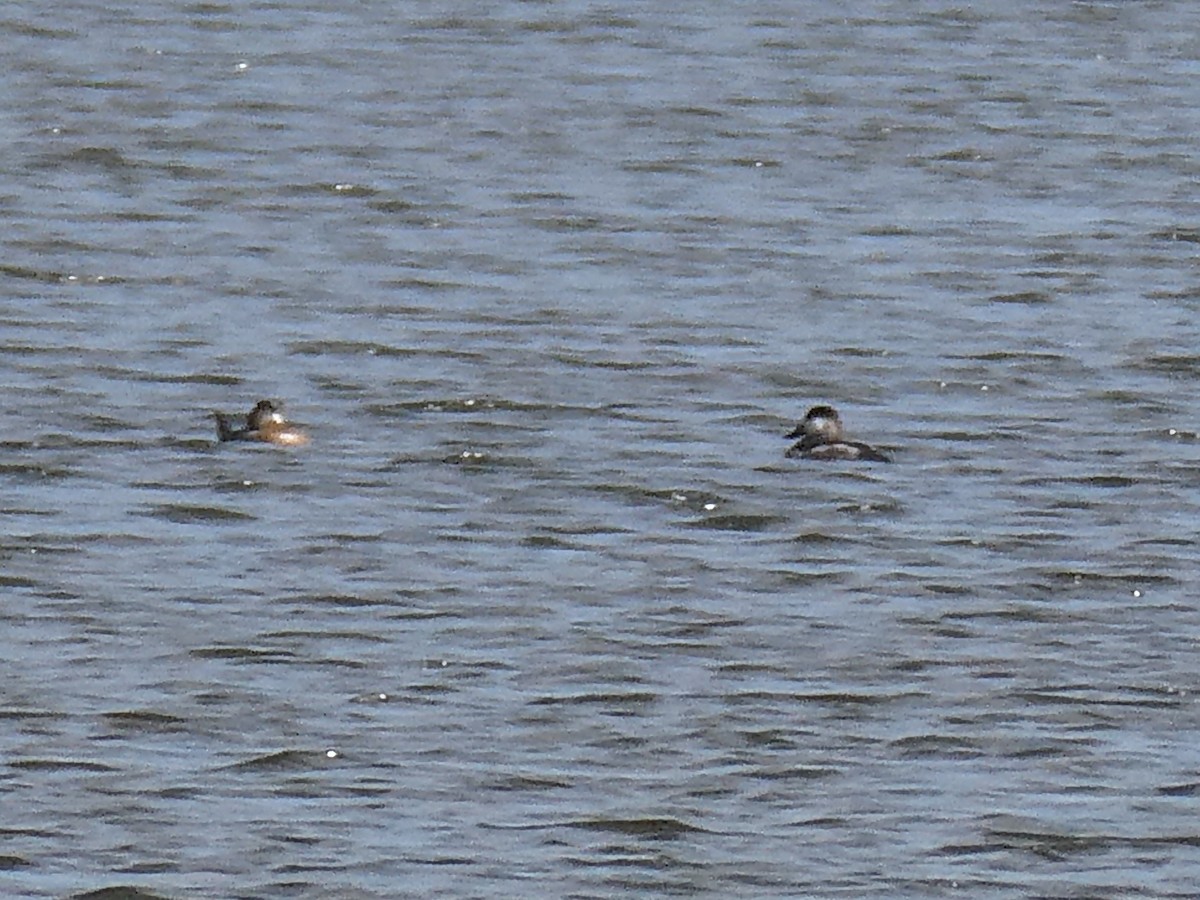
(225, 431)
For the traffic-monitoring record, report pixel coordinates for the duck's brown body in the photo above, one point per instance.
(263, 423)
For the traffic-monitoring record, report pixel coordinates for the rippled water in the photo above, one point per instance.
(543, 611)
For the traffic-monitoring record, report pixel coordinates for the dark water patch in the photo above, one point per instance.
(886, 509)
(1061, 749)
(889, 230)
(27, 273)
(281, 761)
(963, 154)
(1008, 356)
(1100, 481)
(349, 636)
(551, 542)
(768, 738)
(786, 774)
(8, 863)
(244, 654)
(1013, 612)
(1189, 789)
(966, 850)
(1069, 261)
(122, 892)
(51, 544)
(475, 669)
(730, 337)
(187, 514)
(60, 441)
(179, 171)
(1176, 233)
(348, 601)
(106, 159)
(337, 662)
(1187, 295)
(697, 111)
(1060, 845)
(625, 412)
(416, 283)
(231, 486)
(743, 522)
(571, 223)
(420, 615)
(1128, 583)
(19, 28)
(1180, 435)
(418, 694)
(602, 360)
(60, 765)
(695, 627)
(1173, 542)
(1022, 298)
(18, 348)
(139, 217)
(751, 668)
(817, 538)
(96, 422)
(956, 632)
(653, 828)
(531, 783)
(837, 699)
(398, 206)
(143, 375)
(848, 352)
(936, 746)
(528, 197)
(752, 162)
(30, 473)
(1044, 843)
(182, 792)
(615, 701)
(695, 501)
(324, 188)
(1180, 364)
(1088, 695)
(1137, 400)
(141, 721)
(30, 832)
(662, 167)
(1020, 541)
(942, 589)
(339, 386)
(472, 459)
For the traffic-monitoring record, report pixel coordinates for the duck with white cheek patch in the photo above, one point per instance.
(821, 437)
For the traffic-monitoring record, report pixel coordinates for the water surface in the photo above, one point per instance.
(543, 610)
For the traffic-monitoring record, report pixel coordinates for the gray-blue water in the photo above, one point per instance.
(543, 611)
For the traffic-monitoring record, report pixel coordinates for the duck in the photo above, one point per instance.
(822, 437)
(265, 422)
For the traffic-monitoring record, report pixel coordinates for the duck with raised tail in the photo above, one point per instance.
(822, 437)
